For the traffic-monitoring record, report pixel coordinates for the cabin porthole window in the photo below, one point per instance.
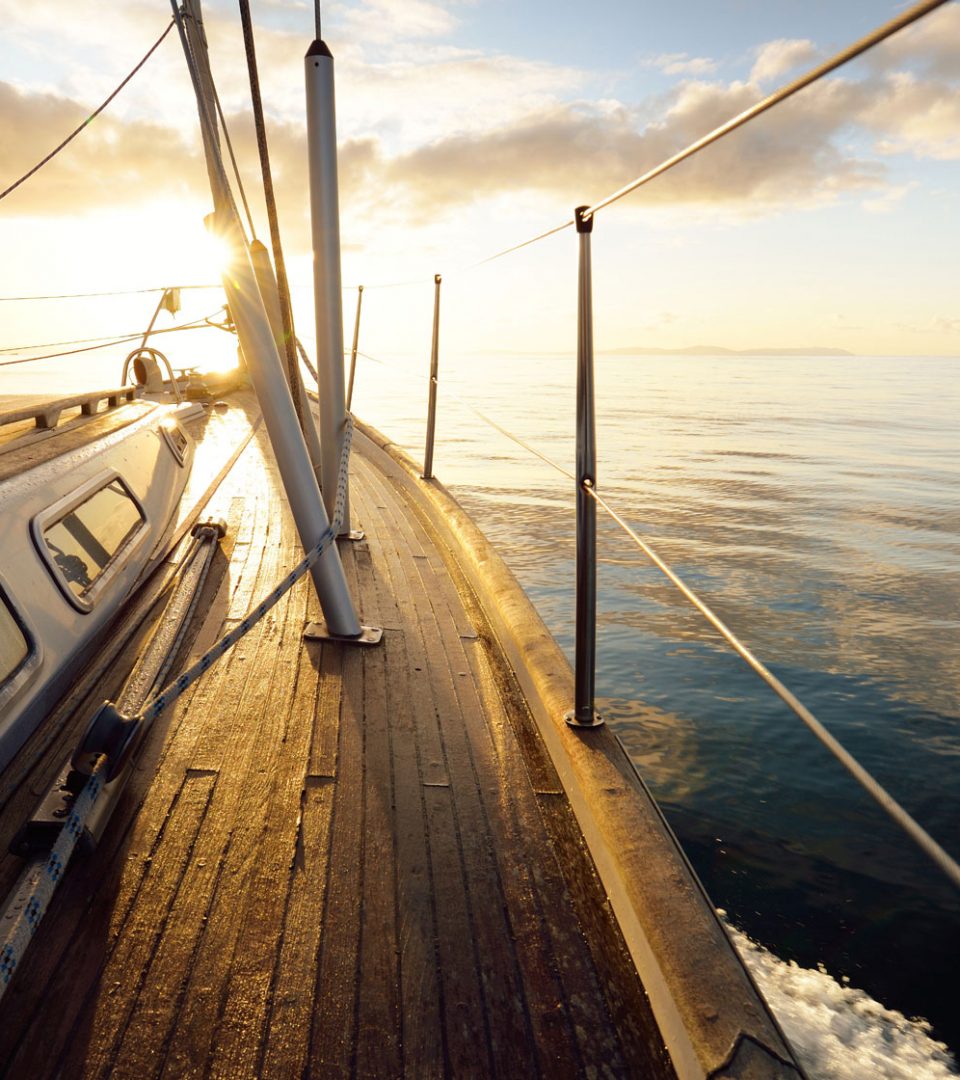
(85, 538)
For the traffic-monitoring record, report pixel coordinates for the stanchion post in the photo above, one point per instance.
(434, 368)
(583, 713)
(353, 351)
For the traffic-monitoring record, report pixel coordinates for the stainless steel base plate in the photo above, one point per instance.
(317, 631)
(571, 719)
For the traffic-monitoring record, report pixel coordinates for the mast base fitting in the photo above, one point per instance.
(353, 535)
(317, 631)
(594, 719)
(109, 733)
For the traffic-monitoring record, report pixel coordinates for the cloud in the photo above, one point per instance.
(111, 162)
(929, 46)
(885, 203)
(379, 21)
(682, 64)
(440, 133)
(776, 58)
(579, 152)
(916, 116)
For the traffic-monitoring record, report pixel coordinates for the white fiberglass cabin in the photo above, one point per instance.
(85, 508)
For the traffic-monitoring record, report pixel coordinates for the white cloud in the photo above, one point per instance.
(682, 64)
(379, 21)
(889, 199)
(776, 58)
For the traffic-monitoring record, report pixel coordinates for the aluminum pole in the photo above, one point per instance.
(296, 471)
(434, 368)
(353, 351)
(583, 713)
(270, 294)
(328, 303)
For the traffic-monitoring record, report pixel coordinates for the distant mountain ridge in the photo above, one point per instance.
(717, 350)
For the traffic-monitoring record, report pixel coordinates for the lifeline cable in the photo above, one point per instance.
(884, 799)
(109, 292)
(199, 324)
(53, 153)
(45, 881)
(101, 337)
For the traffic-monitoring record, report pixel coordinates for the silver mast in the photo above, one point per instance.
(328, 303)
(259, 348)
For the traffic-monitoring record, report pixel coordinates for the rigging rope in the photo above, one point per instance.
(233, 160)
(102, 337)
(909, 16)
(46, 878)
(197, 324)
(283, 286)
(53, 153)
(109, 292)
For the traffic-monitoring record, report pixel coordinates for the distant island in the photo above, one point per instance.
(716, 350)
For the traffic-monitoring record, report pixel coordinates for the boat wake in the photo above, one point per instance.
(839, 1032)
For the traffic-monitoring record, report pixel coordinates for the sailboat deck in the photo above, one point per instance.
(334, 860)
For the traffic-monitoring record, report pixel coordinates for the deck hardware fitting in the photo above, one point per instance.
(583, 713)
(317, 631)
(427, 473)
(110, 733)
(353, 535)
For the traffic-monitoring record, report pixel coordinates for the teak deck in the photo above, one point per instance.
(335, 861)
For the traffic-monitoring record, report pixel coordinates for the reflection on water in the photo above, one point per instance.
(814, 504)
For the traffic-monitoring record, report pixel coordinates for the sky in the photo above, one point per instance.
(469, 126)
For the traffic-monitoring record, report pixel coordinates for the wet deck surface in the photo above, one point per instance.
(331, 861)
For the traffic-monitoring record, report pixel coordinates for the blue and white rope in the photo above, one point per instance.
(48, 876)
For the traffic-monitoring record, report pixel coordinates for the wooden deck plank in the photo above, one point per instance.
(503, 991)
(144, 930)
(419, 984)
(293, 1003)
(342, 866)
(98, 894)
(333, 1033)
(566, 1007)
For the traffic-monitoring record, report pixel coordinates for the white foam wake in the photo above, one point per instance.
(839, 1032)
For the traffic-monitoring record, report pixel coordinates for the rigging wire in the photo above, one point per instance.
(283, 285)
(197, 324)
(53, 153)
(907, 17)
(233, 160)
(884, 799)
(109, 292)
(865, 43)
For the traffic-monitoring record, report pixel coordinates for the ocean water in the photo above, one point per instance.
(815, 504)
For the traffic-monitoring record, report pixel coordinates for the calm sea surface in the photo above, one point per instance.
(815, 504)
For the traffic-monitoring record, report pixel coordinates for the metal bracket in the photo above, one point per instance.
(595, 721)
(353, 535)
(40, 833)
(317, 631)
